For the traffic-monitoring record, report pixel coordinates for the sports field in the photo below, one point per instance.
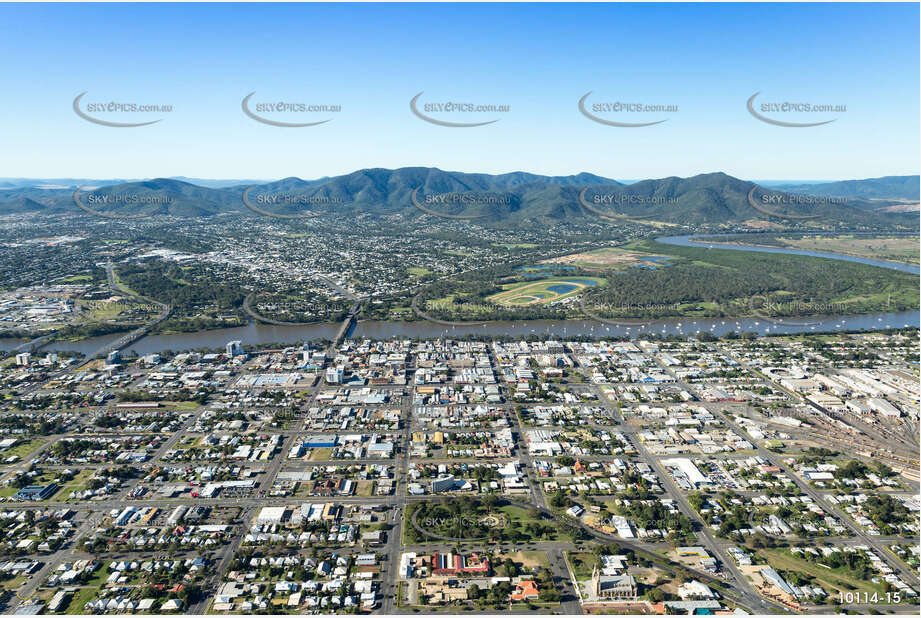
(542, 291)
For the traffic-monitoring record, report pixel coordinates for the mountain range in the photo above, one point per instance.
(885, 188)
(515, 197)
(73, 183)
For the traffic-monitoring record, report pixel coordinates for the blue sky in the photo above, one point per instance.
(537, 58)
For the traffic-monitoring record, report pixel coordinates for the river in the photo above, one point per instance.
(687, 241)
(259, 334)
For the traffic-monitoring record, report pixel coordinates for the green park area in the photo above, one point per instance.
(542, 291)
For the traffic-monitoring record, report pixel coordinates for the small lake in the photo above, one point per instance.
(582, 281)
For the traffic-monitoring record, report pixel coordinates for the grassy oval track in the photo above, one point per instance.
(543, 291)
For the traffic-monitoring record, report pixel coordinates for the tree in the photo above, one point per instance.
(548, 594)
(559, 499)
(655, 595)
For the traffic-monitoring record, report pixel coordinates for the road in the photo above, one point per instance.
(137, 333)
(51, 562)
(904, 572)
(735, 586)
(745, 591)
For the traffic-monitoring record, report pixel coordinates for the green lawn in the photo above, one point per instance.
(23, 448)
(75, 279)
(184, 405)
(537, 292)
(364, 488)
(80, 599)
(832, 580)
(76, 483)
(515, 517)
(100, 575)
(121, 284)
(13, 584)
(320, 454)
(530, 558)
(581, 563)
(517, 514)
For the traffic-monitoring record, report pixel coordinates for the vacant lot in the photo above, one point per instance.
(832, 580)
(609, 257)
(529, 559)
(23, 448)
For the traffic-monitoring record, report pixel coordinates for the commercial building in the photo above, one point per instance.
(34, 493)
(456, 564)
(272, 515)
(445, 482)
(688, 469)
(334, 375)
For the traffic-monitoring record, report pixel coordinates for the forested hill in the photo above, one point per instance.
(512, 198)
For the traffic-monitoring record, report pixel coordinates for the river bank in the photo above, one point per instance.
(256, 334)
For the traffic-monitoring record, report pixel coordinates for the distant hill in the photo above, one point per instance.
(22, 204)
(73, 183)
(216, 183)
(887, 187)
(384, 191)
(161, 196)
(64, 183)
(511, 199)
(49, 199)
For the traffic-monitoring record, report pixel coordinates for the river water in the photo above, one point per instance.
(686, 241)
(260, 334)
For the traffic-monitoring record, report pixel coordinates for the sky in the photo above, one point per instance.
(537, 59)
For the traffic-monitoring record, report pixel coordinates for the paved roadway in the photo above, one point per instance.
(746, 592)
(137, 333)
(904, 572)
(740, 590)
(51, 562)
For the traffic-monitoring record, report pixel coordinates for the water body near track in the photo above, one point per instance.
(260, 334)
